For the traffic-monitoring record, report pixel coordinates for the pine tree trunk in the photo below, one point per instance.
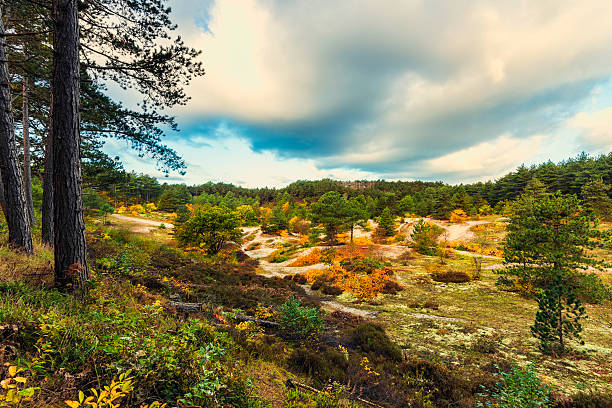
(560, 328)
(69, 226)
(20, 236)
(352, 228)
(47, 235)
(27, 167)
(2, 202)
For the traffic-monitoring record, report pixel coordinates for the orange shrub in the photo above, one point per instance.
(458, 215)
(363, 287)
(299, 225)
(364, 240)
(311, 258)
(136, 209)
(343, 238)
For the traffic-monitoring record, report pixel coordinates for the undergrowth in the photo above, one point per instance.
(124, 339)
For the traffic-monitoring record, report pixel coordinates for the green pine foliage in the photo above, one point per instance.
(332, 210)
(386, 223)
(301, 321)
(547, 245)
(596, 199)
(209, 229)
(558, 318)
(173, 197)
(425, 236)
(278, 222)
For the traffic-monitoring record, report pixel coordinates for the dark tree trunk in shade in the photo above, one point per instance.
(2, 202)
(70, 247)
(47, 236)
(27, 166)
(20, 236)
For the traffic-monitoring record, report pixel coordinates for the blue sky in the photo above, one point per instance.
(356, 89)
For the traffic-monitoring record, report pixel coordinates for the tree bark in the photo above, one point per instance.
(20, 235)
(2, 202)
(70, 247)
(47, 235)
(27, 166)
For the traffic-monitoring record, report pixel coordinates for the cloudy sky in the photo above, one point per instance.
(458, 91)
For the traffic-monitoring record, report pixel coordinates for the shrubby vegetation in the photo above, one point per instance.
(520, 388)
(209, 229)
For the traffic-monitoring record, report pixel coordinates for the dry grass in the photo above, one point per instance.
(483, 310)
(37, 268)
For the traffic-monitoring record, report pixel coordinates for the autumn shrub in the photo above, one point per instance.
(475, 248)
(318, 284)
(362, 265)
(362, 241)
(363, 287)
(136, 209)
(253, 246)
(458, 215)
(311, 258)
(277, 257)
(299, 225)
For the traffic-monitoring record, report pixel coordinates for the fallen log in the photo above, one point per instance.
(185, 307)
(264, 323)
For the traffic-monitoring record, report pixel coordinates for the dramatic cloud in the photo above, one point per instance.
(224, 156)
(399, 89)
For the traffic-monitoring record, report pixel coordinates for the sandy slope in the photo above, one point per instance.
(141, 225)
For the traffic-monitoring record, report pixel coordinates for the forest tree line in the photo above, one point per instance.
(420, 198)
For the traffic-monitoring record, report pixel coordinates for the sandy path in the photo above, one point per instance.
(453, 232)
(268, 245)
(141, 225)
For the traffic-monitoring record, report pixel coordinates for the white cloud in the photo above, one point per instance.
(595, 128)
(487, 160)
